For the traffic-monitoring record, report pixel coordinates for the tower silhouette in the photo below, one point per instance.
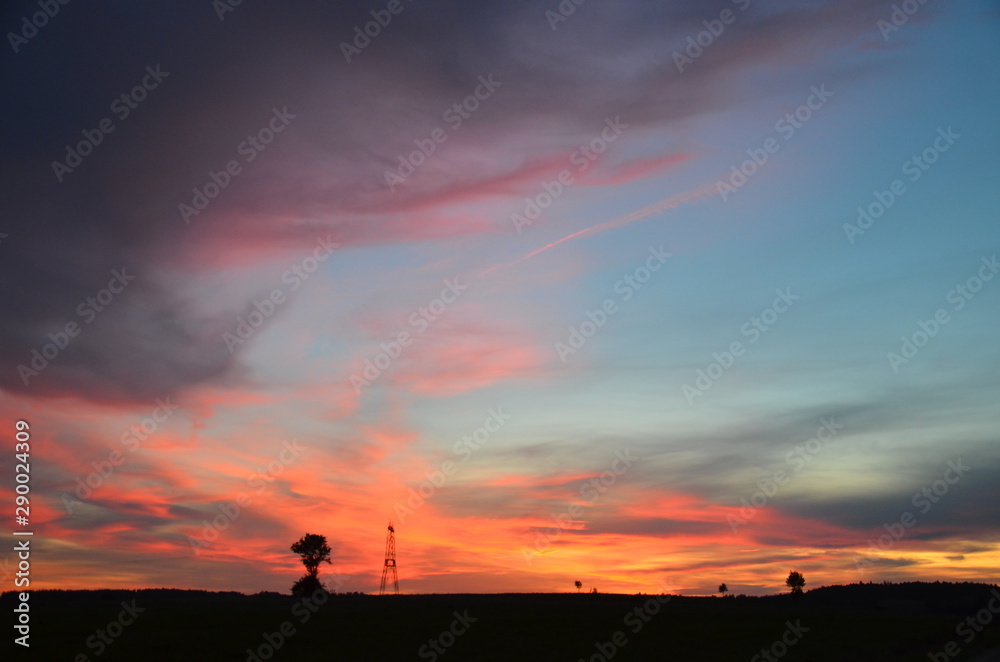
(390, 562)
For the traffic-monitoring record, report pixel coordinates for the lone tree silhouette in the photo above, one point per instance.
(723, 589)
(795, 582)
(578, 585)
(313, 550)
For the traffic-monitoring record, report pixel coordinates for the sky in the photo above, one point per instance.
(648, 295)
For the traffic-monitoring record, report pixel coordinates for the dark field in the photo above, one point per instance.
(858, 622)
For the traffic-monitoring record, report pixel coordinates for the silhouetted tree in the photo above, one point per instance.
(578, 585)
(795, 582)
(313, 550)
(723, 589)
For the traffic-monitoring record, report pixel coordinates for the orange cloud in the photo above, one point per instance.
(463, 363)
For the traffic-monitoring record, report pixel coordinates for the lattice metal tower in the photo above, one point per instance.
(390, 562)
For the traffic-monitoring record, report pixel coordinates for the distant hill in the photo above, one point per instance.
(931, 597)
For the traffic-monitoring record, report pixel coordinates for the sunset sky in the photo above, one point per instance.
(600, 296)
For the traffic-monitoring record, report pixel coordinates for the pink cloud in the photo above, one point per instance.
(457, 360)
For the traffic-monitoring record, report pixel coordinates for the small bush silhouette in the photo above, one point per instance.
(795, 582)
(306, 586)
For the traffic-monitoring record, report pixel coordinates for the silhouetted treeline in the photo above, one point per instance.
(930, 597)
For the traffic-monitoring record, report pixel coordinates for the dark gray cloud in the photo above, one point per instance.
(119, 207)
(663, 527)
(956, 511)
(883, 563)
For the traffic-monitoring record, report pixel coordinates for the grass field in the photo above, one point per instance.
(859, 622)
